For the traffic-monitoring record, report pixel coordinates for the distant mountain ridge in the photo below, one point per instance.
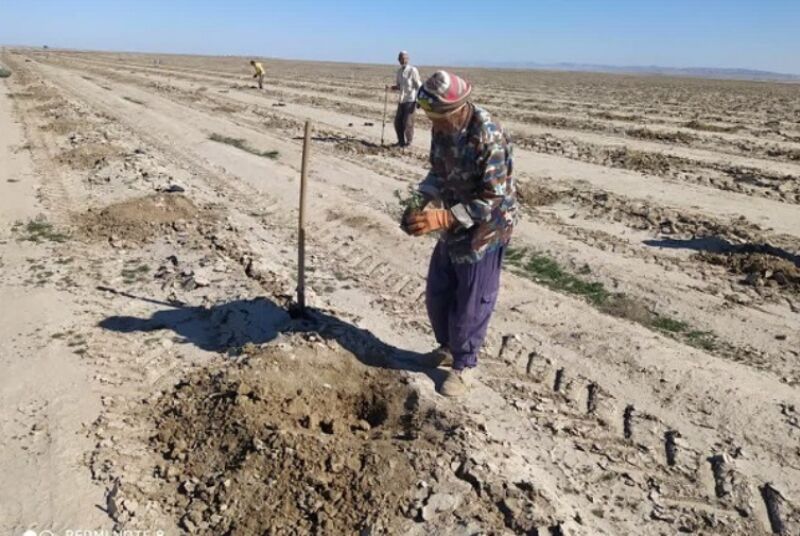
(697, 72)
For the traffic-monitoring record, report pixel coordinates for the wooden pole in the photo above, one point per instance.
(301, 226)
(385, 104)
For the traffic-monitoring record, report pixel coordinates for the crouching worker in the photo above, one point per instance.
(259, 72)
(469, 197)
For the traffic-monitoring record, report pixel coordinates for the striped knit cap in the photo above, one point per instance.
(443, 92)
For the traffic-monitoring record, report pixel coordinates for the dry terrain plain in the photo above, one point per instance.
(642, 373)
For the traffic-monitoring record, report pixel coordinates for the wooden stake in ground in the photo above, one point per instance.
(385, 104)
(301, 226)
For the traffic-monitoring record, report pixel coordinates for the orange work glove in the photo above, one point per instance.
(420, 223)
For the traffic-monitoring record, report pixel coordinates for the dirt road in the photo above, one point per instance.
(641, 375)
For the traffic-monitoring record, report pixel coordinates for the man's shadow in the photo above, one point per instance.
(228, 327)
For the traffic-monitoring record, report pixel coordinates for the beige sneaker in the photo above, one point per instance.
(437, 358)
(457, 383)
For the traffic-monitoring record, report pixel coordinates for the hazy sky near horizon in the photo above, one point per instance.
(755, 34)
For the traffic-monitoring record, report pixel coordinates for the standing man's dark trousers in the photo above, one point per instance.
(460, 299)
(404, 123)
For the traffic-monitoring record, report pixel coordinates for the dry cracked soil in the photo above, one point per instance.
(641, 374)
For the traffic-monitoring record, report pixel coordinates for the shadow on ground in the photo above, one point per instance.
(714, 244)
(228, 327)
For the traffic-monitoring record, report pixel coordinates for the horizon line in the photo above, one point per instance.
(521, 65)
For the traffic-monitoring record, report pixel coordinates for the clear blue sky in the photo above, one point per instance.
(758, 34)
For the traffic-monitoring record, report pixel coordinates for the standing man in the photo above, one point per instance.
(408, 82)
(259, 72)
(471, 184)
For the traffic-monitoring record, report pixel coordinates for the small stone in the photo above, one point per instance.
(334, 464)
(659, 513)
(362, 425)
(440, 503)
(130, 505)
(171, 473)
(178, 449)
(753, 279)
(739, 298)
(423, 491)
(201, 279)
(187, 487)
(188, 524)
(255, 269)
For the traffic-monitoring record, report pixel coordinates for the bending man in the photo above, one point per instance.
(471, 185)
(259, 68)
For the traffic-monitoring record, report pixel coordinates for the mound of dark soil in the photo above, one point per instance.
(533, 195)
(137, 220)
(758, 268)
(644, 162)
(89, 156)
(672, 137)
(307, 440)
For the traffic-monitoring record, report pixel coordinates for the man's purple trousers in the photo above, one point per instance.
(460, 299)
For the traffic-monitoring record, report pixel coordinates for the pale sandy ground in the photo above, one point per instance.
(46, 391)
(57, 435)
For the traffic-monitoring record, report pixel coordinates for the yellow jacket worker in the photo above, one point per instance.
(259, 72)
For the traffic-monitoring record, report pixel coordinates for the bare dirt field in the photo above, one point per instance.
(642, 372)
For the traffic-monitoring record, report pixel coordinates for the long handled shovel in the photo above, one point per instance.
(385, 104)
